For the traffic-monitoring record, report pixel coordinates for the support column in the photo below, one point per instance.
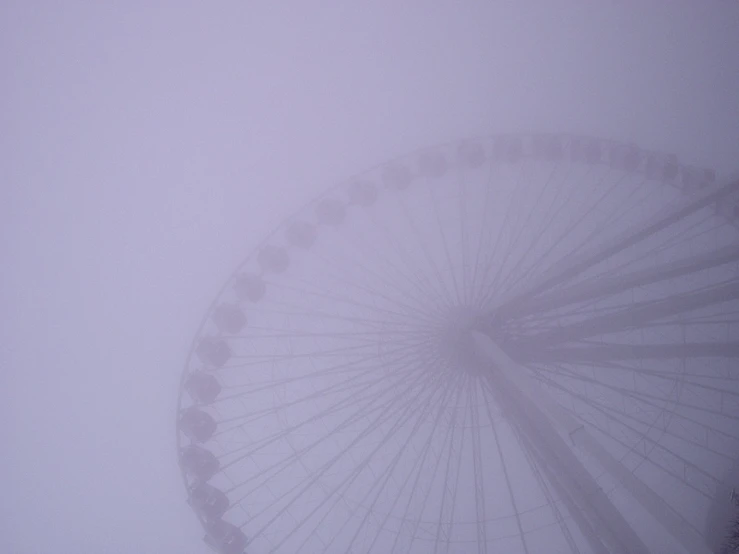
(515, 383)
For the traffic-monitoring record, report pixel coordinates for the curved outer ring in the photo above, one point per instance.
(683, 173)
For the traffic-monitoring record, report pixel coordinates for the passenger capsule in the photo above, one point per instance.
(625, 157)
(225, 537)
(301, 234)
(695, 178)
(330, 211)
(197, 462)
(229, 318)
(362, 193)
(202, 387)
(507, 149)
(209, 501)
(249, 286)
(273, 259)
(432, 165)
(662, 168)
(471, 154)
(213, 352)
(397, 176)
(547, 147)
(198, 425)
(586, 150)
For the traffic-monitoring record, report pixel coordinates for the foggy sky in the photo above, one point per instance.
(146, 148)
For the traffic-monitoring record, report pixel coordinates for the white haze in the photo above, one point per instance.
(147, 146)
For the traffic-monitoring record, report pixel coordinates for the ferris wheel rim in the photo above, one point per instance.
(262, 245)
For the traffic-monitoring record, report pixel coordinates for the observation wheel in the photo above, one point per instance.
(518, 343)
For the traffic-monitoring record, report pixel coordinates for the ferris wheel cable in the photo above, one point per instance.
(545, 487)
(448, 295)
(341, 386)
(380, 277)
(632, 352)
(404, 412)
(528, 224)
(681, 378)
(508, 251)
(528, 326)
(479, 480)
(620, 417)
(673, 522)
(677, 240)
(357, 415)
(585, 524)
(505, 285)
(437, 300)
(506, 475)
(644, 398)
(447, 471)
(388, 472)
(364, 389)
(483, 226)
(464, 217)
(641, 312)
(398, 301)
(338, 369)
(346, 402)
(570, 268)
(422, 315)
(601, 287)
(429, 298)
(589, 209)
(418, 463)
(493, 252)
(448, 435)
(597, 516)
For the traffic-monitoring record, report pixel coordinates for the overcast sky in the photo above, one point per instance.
(146, 147)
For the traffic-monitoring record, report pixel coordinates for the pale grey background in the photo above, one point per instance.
(146, 146)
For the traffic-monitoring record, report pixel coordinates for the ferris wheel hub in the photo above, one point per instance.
(456, 340)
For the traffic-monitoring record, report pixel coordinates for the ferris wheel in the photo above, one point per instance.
(516, 343)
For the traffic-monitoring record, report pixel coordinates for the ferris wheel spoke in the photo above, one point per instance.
(331, 401)
(676, 241)
(354, 303)
(446, 482)
(358, 366)
(652, 445)
(598, 518)
(455, 293)
(489, 276)
(480, 270)
(439, 296)
(385, 410)
(530, 227)
(505, 471)
(419, 462)
(573, 267)
(619, 417)
(600, 288)
(410, 379)
(643, 312)
(403, 411)
(358, 380)
(477, 465)
(387, 474)
(411, 275)
(448, 436)
(375, 291)
(597, 354)
(636, 395)
(504, 287)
